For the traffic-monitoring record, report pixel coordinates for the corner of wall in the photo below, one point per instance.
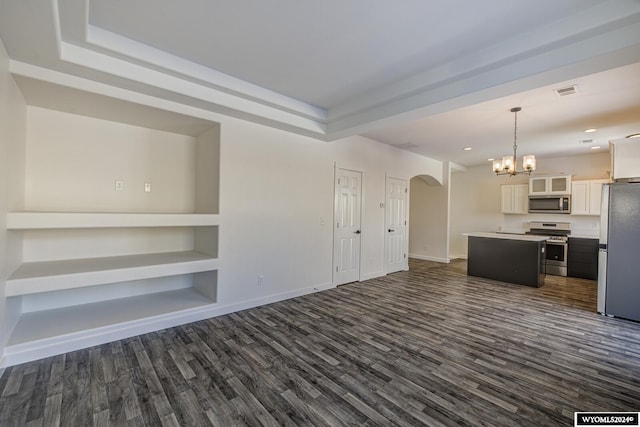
(12, 149)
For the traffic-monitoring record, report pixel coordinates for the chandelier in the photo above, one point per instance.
(507, 165)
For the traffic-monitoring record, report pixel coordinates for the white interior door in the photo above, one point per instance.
(347, 234)
(396, 226)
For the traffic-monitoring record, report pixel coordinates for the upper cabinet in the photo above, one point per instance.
(586, 197)
(548, 185)
(624, 158)
(514, 199)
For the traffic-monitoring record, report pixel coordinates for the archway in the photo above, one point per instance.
(428, 219)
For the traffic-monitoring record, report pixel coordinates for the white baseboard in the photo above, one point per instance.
(370, 276)
(232, 308)
(430, 258)
(27, 352)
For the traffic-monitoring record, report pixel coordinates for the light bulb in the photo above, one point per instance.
(529, 162)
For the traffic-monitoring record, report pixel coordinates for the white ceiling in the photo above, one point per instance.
(548, 125)
(323, 52)
(431, 76)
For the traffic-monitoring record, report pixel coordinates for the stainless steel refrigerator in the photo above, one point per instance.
(619, 256)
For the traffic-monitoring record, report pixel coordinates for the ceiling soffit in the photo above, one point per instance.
(598, 38)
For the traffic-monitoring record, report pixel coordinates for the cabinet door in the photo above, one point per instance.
(586, 197)
(538, 185)
(595, 196)
(582, 258)
(580, 199)
(507, 199)
(625, 156)
(559, 184)
(521, 199)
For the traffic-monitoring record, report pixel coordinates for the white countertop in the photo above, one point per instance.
(507, 236)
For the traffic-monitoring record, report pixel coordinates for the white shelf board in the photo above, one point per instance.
(47, 220)
(36, 277)
(48, 325)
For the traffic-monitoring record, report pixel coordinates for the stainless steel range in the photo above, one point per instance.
(557, 244)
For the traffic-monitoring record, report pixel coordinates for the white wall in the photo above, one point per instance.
(276, 197)
(276, 204)
(475, 198)
(12, 136)
(475, 205)
(73, 162)
(429, 219)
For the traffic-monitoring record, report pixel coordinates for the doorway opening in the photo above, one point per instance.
(428, 222)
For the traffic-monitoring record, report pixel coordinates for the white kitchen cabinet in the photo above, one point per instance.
(586, 197)
(550, 185)
(100, 261)
(514, 198)
(625, 158)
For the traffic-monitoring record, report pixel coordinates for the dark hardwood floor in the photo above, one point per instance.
(431, 346)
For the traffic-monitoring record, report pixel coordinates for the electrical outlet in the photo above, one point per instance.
(119, 185)
(260, 280)
(147, 187)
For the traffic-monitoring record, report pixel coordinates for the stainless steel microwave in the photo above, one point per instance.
(550, 204)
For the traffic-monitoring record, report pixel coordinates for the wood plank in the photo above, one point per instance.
(431, 346)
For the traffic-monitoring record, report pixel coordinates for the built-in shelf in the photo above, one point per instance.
(47, 276)
(51, 324)
(96, 263)
(52, 220)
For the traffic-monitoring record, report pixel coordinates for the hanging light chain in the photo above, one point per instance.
(528, 161)
(515, 133)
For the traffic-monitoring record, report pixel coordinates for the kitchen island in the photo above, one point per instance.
(513, 258)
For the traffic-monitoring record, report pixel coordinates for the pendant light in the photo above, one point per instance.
(508, 164)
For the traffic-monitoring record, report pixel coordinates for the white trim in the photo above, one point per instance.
(140, 52)
(35, 72)
(370, 276)
(335, 215)
(47, 220)
(385, 264)
(448, 225)
(430, 258)
(48, 276)
(120, 68)
(16, 354)
(247, 99)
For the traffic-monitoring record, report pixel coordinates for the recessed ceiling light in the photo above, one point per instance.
(467, 148)
(490, 160)
(590, 130)
(595, 147)
(633, 135)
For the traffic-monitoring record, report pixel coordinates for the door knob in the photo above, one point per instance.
(391, 230)
(356, 232)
